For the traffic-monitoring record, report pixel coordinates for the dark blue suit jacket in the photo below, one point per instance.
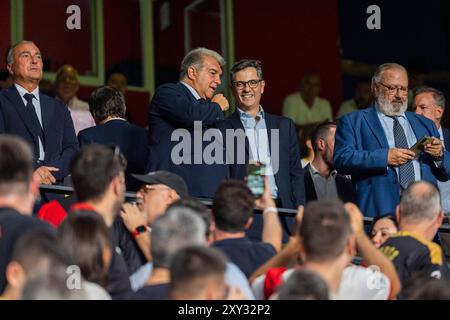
(60, 141)
(289, 178)
(174, 107)
(132, 141)
(446, 134)
(361, 149)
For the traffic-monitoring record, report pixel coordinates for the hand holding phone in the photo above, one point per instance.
(420, 144)
(255, 178)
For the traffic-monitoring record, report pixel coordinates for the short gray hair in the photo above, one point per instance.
(383, 68)
(438, 96)
(243, 64)
(177, 228)
(420, 202)
(194, 58)
(10, 56)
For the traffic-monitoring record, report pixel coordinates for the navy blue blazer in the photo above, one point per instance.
(446, 134)
(174, 107)
(60, 143)
(361, 149)
(132, 141)
(289, 178)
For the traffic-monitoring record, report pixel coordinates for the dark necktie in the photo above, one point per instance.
(37, 128)
(405, 171)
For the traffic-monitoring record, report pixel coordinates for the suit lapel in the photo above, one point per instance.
(375, 125)
(47, 111)
(416, 126)
(14, 96)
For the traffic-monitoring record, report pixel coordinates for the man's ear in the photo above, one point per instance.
(397, 214)
(249, 223)
(263, 84)
(351, 246)
(438, 112)
(10, 70)
(191, 73)
(439, 218)
(15, 275)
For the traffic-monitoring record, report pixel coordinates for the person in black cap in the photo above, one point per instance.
(159, 190)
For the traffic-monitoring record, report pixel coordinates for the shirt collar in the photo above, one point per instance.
(441, 133)
(246, 115)
(314, 171)
(23, 91)
(192, 90)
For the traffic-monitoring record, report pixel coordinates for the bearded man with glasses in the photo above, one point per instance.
(373, 145)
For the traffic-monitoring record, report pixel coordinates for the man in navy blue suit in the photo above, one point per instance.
(178, 115)
(264, 138)
(43, 122)
(107, 106)
(269, 138)
(373, 145)
(430, 103)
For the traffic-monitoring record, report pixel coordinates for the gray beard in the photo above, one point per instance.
(387, 108)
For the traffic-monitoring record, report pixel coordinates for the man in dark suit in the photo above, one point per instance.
(430, 103)
(373, 145)
(280, 152)
(265, 138)
(43, 122)
(322, 182)
(107, 106)
(173, 111)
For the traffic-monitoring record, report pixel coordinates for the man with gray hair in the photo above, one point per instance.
(430, 103)
(178, 228)
(412, 251)
(373, 145)
(44, 123)
(178, 114)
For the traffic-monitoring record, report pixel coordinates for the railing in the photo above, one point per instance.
(131, 196)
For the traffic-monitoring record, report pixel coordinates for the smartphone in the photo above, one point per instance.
(255, 178)
(420, 144)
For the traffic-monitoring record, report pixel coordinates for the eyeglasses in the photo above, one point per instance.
(392, 90)
(146, 188)
(251, 83)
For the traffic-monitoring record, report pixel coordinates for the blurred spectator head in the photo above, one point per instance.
(159, 190)
(422, 287)
(18, 186)
(201, 68)
(6, 80)
(323, 142)
(303, 285)
(325, 233)
(198, 273)
(178, 228)
(420, 208)
(36, 254)
(310, 86)
(105, 103)
(429, 102)
(66, 83)
(98, 175)
(52, 286)
(363, 93)
(390, 89)
(118, 81)
(382, 228)
(200, 209)
(232, 207)
(24, 63)
(85, 237)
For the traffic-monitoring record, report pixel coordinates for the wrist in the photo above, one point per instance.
(271, 209)
(139, 230)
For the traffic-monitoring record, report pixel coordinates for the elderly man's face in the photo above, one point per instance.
(27, 65)
(206, 79)
(154, 200)
(391, 92)
(67, 84)
(249, 95)
(424, 104)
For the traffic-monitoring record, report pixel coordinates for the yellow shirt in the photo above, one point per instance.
(294, 107)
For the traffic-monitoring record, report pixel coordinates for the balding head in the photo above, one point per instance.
(420, 203)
